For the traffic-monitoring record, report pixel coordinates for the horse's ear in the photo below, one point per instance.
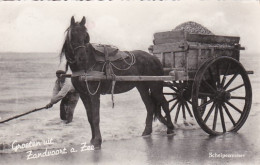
(83, 21)
(72, 21)
(87, 39)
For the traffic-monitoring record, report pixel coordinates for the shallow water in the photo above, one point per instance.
(26, 83)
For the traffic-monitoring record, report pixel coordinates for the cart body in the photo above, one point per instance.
(182, 53)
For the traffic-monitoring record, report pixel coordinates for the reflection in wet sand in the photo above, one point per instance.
(198, 148)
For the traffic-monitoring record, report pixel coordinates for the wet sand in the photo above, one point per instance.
(185, 147)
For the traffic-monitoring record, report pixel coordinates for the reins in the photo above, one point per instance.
(81, 46)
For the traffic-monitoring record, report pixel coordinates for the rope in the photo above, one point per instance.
(89, 89)
(133, 60)
(86, 81)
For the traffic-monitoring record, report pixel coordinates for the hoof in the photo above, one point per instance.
(97, 147)
(171, 126)
(147, 133)
(186, 124)
(144, 136)
(170, 131)
(192, 123)
(96, 144)
(63, 117)
(67, 122)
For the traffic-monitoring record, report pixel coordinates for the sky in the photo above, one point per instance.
(40, 26)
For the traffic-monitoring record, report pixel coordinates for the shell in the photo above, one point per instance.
(193, 27)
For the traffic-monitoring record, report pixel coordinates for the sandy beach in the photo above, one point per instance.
(186, 147)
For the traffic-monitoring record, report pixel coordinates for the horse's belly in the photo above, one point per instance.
(120, 87)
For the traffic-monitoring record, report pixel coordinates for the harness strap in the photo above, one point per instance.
(109, 73)
(112, 93)
(107, 62)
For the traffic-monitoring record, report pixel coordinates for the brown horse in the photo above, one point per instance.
(80, 55)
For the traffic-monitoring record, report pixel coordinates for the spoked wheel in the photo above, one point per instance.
(225, 84)
(178, 96)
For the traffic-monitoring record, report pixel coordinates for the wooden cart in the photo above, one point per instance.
(207, 77)
(203, 73)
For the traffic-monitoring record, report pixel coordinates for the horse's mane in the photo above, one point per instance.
(64, 44)
(62, 52)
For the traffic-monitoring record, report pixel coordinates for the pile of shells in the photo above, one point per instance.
(193, 27)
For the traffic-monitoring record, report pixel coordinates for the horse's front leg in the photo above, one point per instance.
(87, 103)
(95, 106)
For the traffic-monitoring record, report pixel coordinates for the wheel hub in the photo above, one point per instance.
(185, 94)
(223, 96)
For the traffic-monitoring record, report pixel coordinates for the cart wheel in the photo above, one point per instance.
(178, 96)
(225, 84)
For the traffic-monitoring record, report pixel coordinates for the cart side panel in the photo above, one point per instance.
(234, 53)
(169, 37)
(168, 47)
(204, 55)
(212, 39)
(193, 59)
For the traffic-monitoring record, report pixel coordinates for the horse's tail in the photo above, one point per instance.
(157, 109)
(157, 113)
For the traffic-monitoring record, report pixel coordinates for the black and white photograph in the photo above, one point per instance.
(130, 82)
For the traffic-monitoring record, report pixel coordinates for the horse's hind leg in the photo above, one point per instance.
(146, 97)
(158, 113)
(157, 94)
(165, 107)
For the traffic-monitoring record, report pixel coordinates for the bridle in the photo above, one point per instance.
(72, 60)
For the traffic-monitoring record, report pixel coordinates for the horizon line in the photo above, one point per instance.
(26, 52)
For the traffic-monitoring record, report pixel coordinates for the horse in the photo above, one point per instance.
(80, 58)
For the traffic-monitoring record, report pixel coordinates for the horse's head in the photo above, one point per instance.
(77, 33)
(75, 45)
